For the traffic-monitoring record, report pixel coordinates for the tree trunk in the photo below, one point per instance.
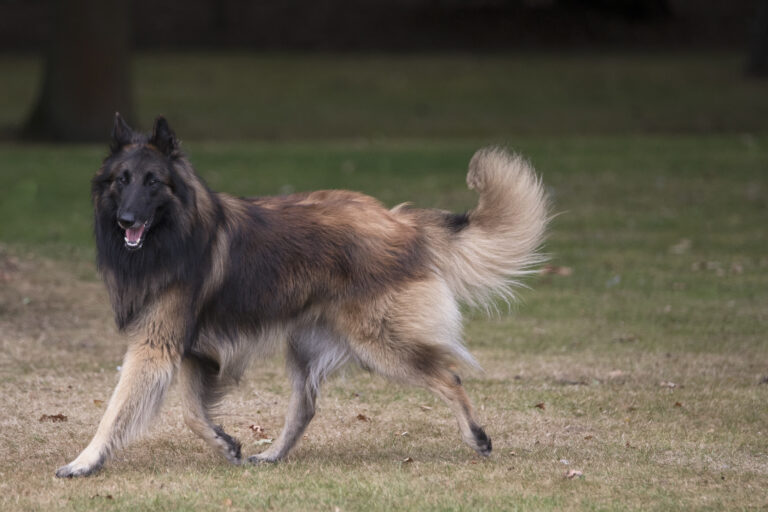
(758, 54)
(87, 75)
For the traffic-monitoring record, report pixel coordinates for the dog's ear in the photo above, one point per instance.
(121, 134)
(163, 137)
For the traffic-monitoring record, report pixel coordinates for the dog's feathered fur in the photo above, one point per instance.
(200, 281)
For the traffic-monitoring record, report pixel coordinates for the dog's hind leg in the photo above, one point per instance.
(202, 389)
(313, 353)
(447, 385)
(429, 366)
(418, 343)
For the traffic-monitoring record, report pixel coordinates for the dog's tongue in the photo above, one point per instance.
(134, 234)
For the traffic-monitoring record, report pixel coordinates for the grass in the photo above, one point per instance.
(641, 307)
(289, 96)
(649, 357)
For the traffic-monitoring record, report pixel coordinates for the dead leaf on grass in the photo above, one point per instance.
(54, 418)
(406, 460)
(363, 417)
(667, 384)
(97, 402)
(425, 408)
(678, 404)
(573, 473)
(258, 431)
(588, 438)
(540, 405)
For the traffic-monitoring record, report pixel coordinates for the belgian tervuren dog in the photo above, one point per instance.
(200, 281)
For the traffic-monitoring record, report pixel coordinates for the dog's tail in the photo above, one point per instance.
(497, 242)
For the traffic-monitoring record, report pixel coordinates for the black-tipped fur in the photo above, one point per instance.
(201, 281)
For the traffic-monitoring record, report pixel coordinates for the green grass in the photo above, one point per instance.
(657, 170)
(640, 308)
(288, 96)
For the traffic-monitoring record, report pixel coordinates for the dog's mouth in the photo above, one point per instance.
(134, 236)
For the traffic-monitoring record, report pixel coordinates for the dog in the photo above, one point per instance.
(201, 281)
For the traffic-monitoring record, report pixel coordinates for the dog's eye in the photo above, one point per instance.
(124, 178)
(153, 181)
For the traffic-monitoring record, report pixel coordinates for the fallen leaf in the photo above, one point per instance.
(55, 418)
(425, 408)
(97, 402)
(407, 460)
(588, 438)
(574, 473)
(678, 404)
(514, 454)
(540, 405)
(363, 417)
(258, 431)
(667, 384)
(403, 434)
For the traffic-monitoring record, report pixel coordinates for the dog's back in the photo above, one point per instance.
(201, 281)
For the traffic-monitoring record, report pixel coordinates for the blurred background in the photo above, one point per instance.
(638, 357)
(236, 69)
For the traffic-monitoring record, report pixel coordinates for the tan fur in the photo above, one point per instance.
(354, 281)
(147, 371)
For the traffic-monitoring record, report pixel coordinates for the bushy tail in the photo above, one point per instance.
(499, 244)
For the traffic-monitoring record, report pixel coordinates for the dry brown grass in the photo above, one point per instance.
(605, 414)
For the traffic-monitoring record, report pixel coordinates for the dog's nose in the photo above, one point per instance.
(126, 219)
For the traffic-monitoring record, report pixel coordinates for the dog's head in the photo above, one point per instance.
(139, 183)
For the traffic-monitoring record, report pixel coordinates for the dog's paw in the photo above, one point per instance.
(482, 443)
(229, 447)
(73, 469)
(262, 458)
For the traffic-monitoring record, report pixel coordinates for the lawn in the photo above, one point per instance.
(639, 360)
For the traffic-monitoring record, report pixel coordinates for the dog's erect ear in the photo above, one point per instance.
(163, 137)
(121, 134)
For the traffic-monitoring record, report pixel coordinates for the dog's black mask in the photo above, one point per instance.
(137, 183)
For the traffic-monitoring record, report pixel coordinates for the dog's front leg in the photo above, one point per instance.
(147, 372)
